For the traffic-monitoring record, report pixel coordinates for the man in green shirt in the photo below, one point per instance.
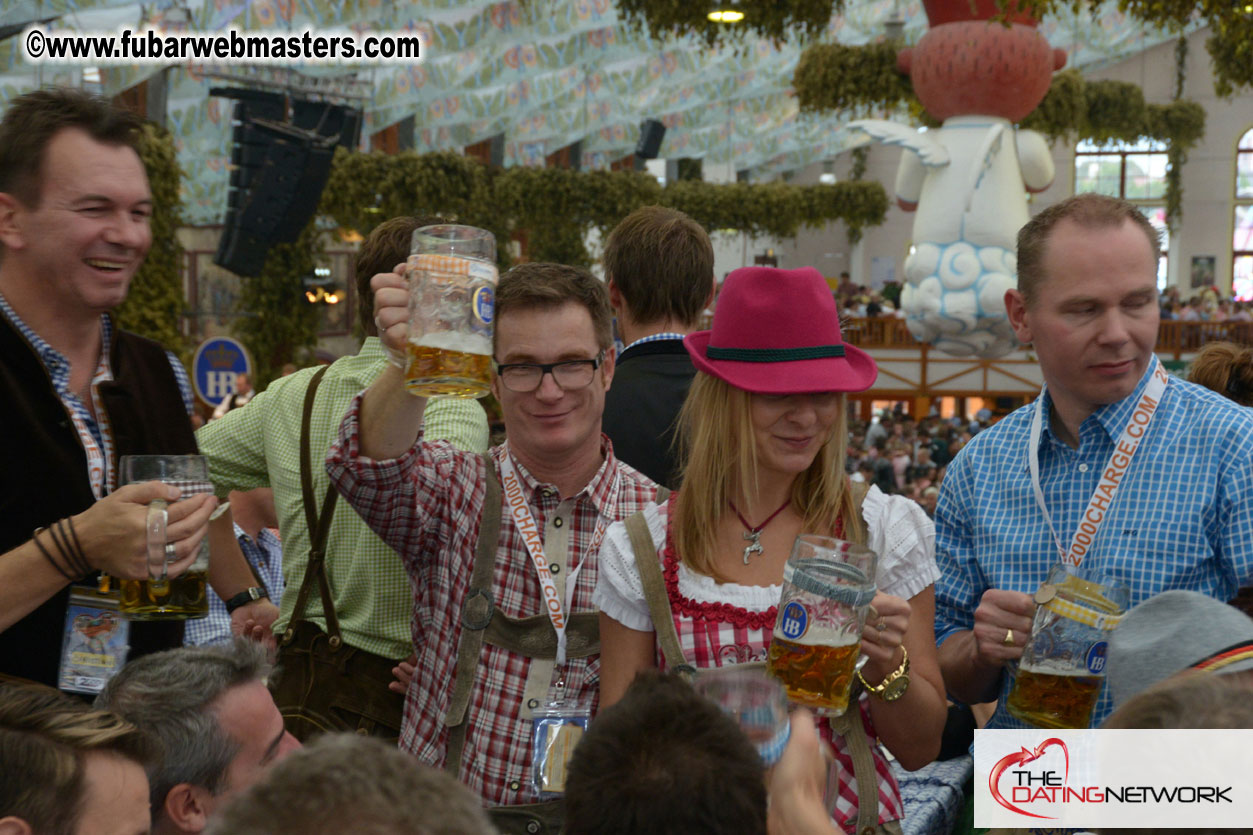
(333, 677)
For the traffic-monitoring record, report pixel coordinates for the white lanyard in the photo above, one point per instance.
(515, 498)
(1103, 497)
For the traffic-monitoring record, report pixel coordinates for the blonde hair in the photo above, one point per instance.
(716, 450)
(1226, 368)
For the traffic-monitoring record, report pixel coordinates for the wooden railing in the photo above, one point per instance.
(1177, 338)
(879, 332)
(1180, 338)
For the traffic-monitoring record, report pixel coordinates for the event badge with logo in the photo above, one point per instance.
(94, 645)
(557, 729)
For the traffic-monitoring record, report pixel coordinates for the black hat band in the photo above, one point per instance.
(815, 352)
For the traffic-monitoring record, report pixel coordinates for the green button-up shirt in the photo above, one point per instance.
(258, 445)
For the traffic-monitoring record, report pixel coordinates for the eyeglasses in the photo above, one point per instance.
(525, 377)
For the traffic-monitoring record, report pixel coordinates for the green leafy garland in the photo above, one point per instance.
(1105, 111)
(364, 190)
(851, 78)
(556, 208)
(771, 19)
(861, 157)
(1230, 43)
(154, 305)
(838, 77)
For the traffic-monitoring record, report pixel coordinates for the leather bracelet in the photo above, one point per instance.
(73, 558)
(78, 546)
(34, 537)
(245, 597)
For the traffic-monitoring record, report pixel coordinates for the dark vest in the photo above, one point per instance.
(650, 382)
(43, 474)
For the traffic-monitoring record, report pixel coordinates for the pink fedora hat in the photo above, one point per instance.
(778, 332)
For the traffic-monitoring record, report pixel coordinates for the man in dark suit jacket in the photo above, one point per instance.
(660, 267)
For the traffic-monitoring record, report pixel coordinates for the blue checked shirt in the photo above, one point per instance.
(265, 555)
(654, 337)
(1182, 518)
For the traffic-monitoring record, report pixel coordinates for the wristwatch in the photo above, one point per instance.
(894, 685)
(245, 597)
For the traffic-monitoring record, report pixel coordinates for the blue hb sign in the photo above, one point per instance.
(1096, 657)
(795, 620)
(214, 367)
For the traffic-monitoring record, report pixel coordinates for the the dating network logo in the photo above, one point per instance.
(1087, 779)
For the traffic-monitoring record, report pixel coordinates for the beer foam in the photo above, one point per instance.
(466, 343)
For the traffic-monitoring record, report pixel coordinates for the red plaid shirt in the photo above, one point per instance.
(427, 505)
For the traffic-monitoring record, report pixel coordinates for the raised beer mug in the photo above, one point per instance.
(452, 301)
(755, 700)
(1063, 664)
(161, 597)
(816, 647)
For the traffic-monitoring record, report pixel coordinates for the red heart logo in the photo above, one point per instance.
(1020, 758)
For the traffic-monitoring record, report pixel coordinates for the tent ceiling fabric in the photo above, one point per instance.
(545, 74)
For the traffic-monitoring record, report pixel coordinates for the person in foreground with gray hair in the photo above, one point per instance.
(1174, 632)
(350, 783)
(216, 721)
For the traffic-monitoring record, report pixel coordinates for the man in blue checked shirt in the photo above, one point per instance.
(256, 530)
(1138, 474)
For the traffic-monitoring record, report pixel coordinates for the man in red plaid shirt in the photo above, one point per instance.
(562, 486)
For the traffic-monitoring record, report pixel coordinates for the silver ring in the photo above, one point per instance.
(170, 556)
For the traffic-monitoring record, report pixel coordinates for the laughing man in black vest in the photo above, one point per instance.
(79, 392)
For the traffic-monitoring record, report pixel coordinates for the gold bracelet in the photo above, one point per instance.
(894, 684)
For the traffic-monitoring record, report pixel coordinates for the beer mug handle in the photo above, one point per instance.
(158, 517)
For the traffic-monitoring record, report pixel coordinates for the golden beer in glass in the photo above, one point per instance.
(452, 286)
(1054, 700)
(179, 597)
(816, 646)
(815, 675)
(1062, 667)
(159, 596)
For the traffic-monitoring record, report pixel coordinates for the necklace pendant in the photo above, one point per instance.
(753, 537)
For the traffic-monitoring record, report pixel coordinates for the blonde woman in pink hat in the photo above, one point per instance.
(762, 436)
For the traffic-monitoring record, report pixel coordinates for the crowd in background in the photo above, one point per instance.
(907, 457)
(1203, 306)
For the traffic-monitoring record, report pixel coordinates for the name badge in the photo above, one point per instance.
(94, 644)
(556, 730)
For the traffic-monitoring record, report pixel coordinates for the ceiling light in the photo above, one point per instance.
(726, 13)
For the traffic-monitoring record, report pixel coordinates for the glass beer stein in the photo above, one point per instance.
(161, 597)
(816, 647)
(452, 299)
(755, 700)
(1063, 664)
